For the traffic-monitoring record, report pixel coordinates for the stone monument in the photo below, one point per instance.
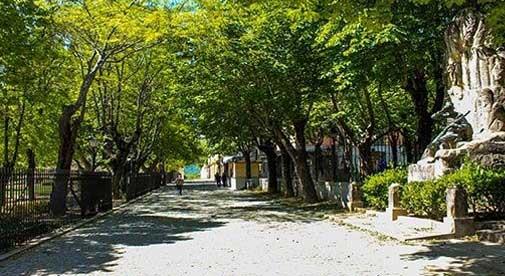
(457, 218)
(475, 110)
(355, 198)
(393, 211)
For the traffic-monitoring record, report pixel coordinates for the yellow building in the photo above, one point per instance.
(236, 173)
(214, 164)
(235, 168)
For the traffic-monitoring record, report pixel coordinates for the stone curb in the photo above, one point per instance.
(64, 230)
(441, 236)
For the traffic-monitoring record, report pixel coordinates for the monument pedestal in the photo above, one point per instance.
(425, 171)
(393, 213)
(457, 219)
(353, 205)
(488, 151)
(461, 227)
(355, 199)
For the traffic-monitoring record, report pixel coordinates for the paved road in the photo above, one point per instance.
(226, 233)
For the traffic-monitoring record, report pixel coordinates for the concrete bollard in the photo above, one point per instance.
(457, 219)
(394, 210)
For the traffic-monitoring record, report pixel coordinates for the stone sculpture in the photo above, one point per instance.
(476, 123)
(458, 130)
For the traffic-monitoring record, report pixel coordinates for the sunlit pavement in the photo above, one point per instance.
(237, 233)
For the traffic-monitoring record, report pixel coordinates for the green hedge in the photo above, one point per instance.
(375, 188)
(485, 187)
(425, 199)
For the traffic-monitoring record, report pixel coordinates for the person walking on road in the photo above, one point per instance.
(179, 182)
(217, 176)
(224, 179)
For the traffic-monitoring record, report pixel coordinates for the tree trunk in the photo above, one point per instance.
(272, 172)
(5, 171)
(6, 139)
(5, 174)
(269, 149)
(393, 142)
(247, 158)
(347, 160)
(68, 133)
(307, 189)
(68, 129)
(409, 148)
(299, 157)
(287, 175)
(417, 89)
(366, 162)
(31, 173)
(317, 156)
(334, 160)
(118, 176)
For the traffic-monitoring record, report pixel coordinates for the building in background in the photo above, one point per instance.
(235, 167)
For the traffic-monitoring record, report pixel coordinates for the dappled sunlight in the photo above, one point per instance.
(202, 230)
(464, 258)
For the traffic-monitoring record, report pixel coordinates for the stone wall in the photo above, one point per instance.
(333, 191)
(239, 183)
(326, 190)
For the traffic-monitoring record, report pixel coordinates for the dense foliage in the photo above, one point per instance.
(146, 85)
(485, 188)
(375, 188)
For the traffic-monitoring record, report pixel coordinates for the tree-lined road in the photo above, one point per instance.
(237, 233)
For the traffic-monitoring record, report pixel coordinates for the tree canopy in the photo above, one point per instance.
(155, 84)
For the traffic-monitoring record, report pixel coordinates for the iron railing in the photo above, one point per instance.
(142, 183)
(24, 204)
(25, 196)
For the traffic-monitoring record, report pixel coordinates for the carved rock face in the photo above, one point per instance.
(476, 71)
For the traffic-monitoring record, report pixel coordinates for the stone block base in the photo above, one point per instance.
(460, 227)
(392, 214)
(353, 205)
(423, 171)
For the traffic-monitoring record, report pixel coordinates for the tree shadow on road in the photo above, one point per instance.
(245, 205)
(98, 246)
(470, 258)
(267, 208)
(161, 218)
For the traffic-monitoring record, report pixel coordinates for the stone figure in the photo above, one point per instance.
(475, 110)
(498, 67)
(458, 130)
(476, 72)
(454, 45)
(454, 71)
(497, 114)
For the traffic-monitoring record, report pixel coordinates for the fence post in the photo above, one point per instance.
(3, 186)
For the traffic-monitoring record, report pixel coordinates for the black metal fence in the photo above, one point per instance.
(92, 191)
(142, 183)
(25, 196)
(24, 204)
(341, 162)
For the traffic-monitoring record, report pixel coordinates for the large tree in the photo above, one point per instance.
(96, 33)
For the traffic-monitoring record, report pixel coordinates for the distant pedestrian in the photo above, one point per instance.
(179, 182)
(217, 176)
(224, 179)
